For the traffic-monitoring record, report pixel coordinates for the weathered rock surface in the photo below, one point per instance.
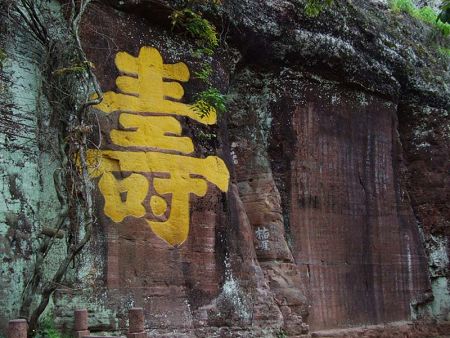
(396, 329)
(337, 141)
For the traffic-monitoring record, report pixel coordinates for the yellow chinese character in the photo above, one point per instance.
(183, 181)
(147, 120)
(145, 88)
(175, 230)
(150, 131)
(112, 189)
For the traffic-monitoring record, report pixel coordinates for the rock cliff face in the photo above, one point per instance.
(335, 213)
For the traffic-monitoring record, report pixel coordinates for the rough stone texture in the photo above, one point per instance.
(334, 154)
(398, 329)
(27, 194)
(336, 138)
(425, 137)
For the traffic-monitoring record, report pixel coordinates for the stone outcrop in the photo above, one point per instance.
(336, 216)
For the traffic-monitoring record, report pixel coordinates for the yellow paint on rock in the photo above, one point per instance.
(150, 131)
(158, 205)
(175, 230)
(212, 168)
(135, 187)
(146, 91)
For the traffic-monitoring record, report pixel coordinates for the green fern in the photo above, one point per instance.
(207, 41)
(207, 99)
(206, 136)
(281, 334)
(204, 74)
(199, 28)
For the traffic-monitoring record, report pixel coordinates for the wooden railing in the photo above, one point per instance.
(18, 328)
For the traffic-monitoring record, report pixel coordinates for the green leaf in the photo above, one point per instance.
(207, 99)
(199, 28)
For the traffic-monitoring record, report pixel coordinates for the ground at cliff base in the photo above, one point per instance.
(397, 329)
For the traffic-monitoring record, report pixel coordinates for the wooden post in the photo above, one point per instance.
(17, 328)
(136, 321)
(81, 328)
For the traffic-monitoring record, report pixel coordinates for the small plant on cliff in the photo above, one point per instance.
(444, 51)
(207, 41)
(314, 7)
(199, 28)
(281, 334)
(204, 74)
(206, 99)
(425, 14)
(206, 136)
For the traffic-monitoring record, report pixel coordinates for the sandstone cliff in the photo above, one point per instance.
(336, 141)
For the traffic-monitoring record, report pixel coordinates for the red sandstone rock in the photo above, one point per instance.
(320, 229)
(318, 225)
(263, 207)
(352, 235)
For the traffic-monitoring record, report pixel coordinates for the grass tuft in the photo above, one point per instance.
(425, 14)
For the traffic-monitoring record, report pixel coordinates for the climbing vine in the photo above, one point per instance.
(68, 80)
